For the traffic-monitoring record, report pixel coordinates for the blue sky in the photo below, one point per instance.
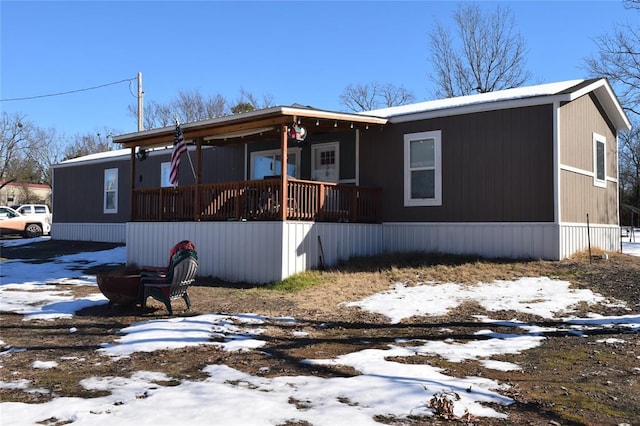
(295, 51)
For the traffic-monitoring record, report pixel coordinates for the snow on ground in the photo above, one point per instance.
(382, 388)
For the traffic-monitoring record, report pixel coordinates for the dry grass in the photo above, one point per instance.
(567, 380)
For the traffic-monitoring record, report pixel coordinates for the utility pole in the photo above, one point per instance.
(140, 95)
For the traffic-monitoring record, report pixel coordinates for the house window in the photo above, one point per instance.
(269, 163)
(111, 191)
(599, 160)
(422, 169)
(328, 158)
(165, 171)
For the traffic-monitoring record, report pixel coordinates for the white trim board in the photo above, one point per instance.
(583, 172)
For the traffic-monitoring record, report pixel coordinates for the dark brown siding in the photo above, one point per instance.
(79, 188)
(222, 164)
(78, 193)
(497, 166)
(219, 164)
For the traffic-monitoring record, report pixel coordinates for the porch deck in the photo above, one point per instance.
(257, 200)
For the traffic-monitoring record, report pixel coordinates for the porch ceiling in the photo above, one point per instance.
(253, 127)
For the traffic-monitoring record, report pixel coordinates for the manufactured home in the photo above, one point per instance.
(530, 172)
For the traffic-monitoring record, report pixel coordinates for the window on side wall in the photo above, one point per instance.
(111, 191)
(599, 160)
(422, 169)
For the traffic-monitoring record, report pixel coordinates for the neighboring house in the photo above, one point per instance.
(14, 193)
(79, 188)
(518, 173)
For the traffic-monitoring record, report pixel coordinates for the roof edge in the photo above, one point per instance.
(607, 97)
(258, 114)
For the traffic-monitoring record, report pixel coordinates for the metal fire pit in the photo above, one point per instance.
(120, 287)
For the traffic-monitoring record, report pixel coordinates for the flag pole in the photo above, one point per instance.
(188, 156)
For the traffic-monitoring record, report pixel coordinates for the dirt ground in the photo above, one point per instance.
(568, 380)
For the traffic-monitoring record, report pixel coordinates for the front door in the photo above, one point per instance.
(325, 161)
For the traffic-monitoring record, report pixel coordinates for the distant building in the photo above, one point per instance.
(25, 193)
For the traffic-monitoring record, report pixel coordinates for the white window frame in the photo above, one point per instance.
(274, 153)
(599, 139)
(108, 175)
(436, 135)
(165, 171)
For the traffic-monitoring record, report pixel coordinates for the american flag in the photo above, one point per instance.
(179, 147)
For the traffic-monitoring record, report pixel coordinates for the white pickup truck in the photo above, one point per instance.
(12, 222)
(40, 211)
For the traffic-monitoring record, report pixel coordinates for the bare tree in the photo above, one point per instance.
(13, 141)
(90, 143)
(370, 96)
(629, 173)
(248, 98)
(19, 143)
(191, 106)
(632, 4)
(489, 55)
(618, 60)
(26, 151)
(155, 115)
(44, 158)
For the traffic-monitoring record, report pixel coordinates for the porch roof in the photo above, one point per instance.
(262, 124)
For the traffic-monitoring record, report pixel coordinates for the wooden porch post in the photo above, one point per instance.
(197, 209)
(132, 177)
(283, 173)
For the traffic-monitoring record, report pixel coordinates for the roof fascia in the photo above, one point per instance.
(601, 88)
(474, 108)
(240, 122)
(96, 160)
(332, 115)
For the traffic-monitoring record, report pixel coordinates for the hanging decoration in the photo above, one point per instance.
(297, 132)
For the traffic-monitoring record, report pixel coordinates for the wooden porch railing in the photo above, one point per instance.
(257, 200)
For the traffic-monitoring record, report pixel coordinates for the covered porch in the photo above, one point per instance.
(277, 198)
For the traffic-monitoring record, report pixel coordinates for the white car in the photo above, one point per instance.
(12, 222)
(40, 211)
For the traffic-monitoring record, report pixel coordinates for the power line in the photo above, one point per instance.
(67, 93)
